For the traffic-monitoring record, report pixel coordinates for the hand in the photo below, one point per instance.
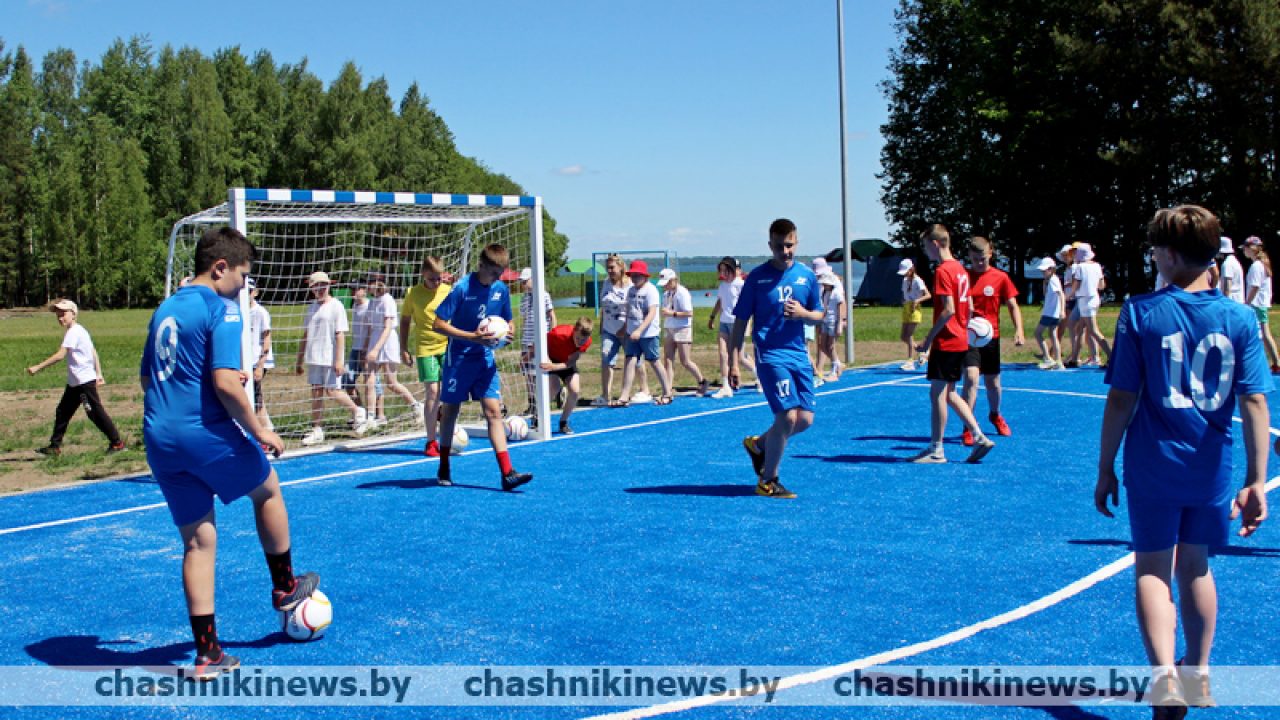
(340, 368)
(244, 377)
(33, 370)
(635, 336)
(547, 367)
(258, 373)
(1251, 502)
(1108, 487)
(297, 369)
(406, 358)
(735, 376)
(711, 323)
(271, 443)
(922, 347)
(371, 357)
(791, 308)
(101, 382)
(1019, 339)
(668, 313)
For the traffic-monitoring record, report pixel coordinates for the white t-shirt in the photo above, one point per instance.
(913, 289)
(681, 301)
(1233, 271)
(1259, 278)
(259, 325)
(80, 366)
(728, 297)
(526, 315)
(1068, 280)
(324, 322)
(1053, 299)
(1090, 276)
(363, 317)
(384, 307)
(639, 300)
(831, 305)
(613, 306)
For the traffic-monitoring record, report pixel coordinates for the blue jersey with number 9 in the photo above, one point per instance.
(1186, 355)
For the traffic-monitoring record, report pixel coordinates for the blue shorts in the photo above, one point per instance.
(786, 388)
(189, 491)
(1049, 322)
(1157, 525)
(726, 328)
(468, 380)
(648, 346)
(610, 344)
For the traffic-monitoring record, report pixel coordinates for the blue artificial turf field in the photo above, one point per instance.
(641, 542)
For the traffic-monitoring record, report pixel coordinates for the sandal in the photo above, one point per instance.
(703, 387)
(619, 403)
(663, 400)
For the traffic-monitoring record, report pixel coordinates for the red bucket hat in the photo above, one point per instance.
(638, 267)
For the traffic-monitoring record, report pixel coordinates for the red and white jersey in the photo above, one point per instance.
(989, 291)
(952, 280)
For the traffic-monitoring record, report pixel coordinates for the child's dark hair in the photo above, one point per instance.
(224, 243)
(1189, 230)
(937, 233)
(496, 255)
(781, 228)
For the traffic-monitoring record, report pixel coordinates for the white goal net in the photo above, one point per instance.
(353, 236)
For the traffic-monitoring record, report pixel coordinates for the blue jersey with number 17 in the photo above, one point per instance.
(1186, 356)
(193, 333)
(778, 339)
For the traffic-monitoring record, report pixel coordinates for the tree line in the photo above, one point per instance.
(1042, 122)
(97, 161)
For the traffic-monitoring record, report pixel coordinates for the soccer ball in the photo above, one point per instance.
(517, 428)
(460, 441)
(496, 327)
(309, 619)
(980, 331)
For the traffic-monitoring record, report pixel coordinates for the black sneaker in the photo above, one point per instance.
(513, 480)
(50, 451)
(751, 443)
(116, 447)
(443, 477)
(303, 586)
(565, 429)
(773, 489)
(207, 668)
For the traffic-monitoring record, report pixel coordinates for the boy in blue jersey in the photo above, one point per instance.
(781, 298)
(470, 372)
(197, 423)
(1182, 356)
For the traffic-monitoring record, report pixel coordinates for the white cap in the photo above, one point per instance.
(318, 277)
(1084, 252)
(526, 274)
(1046, 264)
(250, 283)
(1062, 253)
(828, 278)
(1225, 247)
(905, 266)
(65, 304)
(666, 276)
(820, 266)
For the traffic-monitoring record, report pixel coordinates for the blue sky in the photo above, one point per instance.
(644, 125)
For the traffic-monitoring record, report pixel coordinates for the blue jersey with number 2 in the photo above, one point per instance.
(466, 305)
(778, 340)
(1186, 355)
(192, 333)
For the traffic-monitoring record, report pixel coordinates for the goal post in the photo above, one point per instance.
(351, 236)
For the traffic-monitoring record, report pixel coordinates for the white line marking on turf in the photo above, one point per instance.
(1105, 572)
(419, 461)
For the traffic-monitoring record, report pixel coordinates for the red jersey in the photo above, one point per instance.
(951, 279)
(560, 344)
(989, 291)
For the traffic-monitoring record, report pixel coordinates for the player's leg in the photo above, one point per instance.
(97, 412)
(448, 421)
(684, 350)
(429, 375)
(650, 349)
(574, 389)
(785, 426)
(1198, 600)
(199, 556)
(1268, 340)
(1157, 617)
(668, 360)
(62, 417)
(272, 521)
(1040, 343)
(389, 380)
(1055, 342)
(609, 347)
(529, 369)
(628, 373)
(981, 443)
(491, 403)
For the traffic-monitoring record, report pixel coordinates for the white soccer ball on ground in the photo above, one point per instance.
(497, 328)
(517, 428)
(980, 331)
(460, 441)
(310, 619)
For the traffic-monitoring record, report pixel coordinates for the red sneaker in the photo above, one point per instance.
(1002, 427)
(432, 449)
(967, 438)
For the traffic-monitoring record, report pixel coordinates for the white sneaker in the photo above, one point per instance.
(600, 401)
(836, 369)
(724, 392)
(818, 382)
(928, 457)
(922, 359)
(361, 424)
(377, 422)
(418, 417)
(315, 437)
(908, 366)
(1047, 365)
(641, 398)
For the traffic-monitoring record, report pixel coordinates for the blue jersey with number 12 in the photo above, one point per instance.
(193, 333)
(1186, 355)
(778, 339)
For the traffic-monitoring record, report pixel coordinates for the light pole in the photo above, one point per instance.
(844, 196)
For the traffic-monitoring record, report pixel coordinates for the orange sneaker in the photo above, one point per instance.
(966, 437)
(1002, 427)
(432, 449)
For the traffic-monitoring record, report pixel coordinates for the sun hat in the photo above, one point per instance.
(1045, 264)
(319, 277)
(65, 304)
(905, 266)
(1224, 246)
(638, 267)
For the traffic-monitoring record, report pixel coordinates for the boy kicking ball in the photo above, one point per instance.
(470, 372)
(203, 438)
(1182, 357)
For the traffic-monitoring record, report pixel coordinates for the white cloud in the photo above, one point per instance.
(571, 170)
(51, 8)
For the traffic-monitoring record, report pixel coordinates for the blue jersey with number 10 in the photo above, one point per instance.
(1186, 355)
(193, 333)
(778, 340)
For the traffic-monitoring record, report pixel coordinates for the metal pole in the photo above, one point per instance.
(844, 196)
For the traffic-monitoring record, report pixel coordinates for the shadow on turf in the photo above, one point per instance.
(857, 458)
(696, 490)
(428, 484)
(91, 650)
(1226, 551)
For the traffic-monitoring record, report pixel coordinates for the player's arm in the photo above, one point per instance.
(260, 367)
(226, 383)
(406, 356)
(1015, 314)
(302, 351)
(339, 352)
(736, 339)
(56, 357)
(97, 367)
(715, 313)
(948, 308)
(644, 324)
(1251, 502)
(926, 296)
(387, 329)
(444, 327)
(1115, 420)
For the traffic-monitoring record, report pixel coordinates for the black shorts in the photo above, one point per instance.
(946, 365)
(566, 374)
(985, 358)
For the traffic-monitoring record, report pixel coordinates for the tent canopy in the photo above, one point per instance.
(582, 266)
(863, 250)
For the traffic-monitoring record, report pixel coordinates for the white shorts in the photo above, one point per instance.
(681, 335)
(323, 376)
(1089, 307)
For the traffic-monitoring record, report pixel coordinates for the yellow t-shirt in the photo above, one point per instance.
(420, 307)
